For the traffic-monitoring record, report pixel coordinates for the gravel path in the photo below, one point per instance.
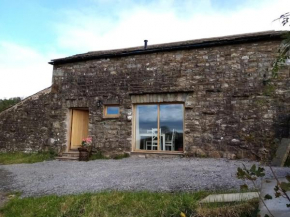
(5, 180)
(56, 177)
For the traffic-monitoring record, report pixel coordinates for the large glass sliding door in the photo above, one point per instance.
(146, 127)
(171, 126)
(159, 127)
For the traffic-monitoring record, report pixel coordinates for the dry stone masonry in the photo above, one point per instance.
(233, 108)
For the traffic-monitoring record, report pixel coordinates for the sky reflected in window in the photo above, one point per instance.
(147, 115)
(171, 117)
(113, 110)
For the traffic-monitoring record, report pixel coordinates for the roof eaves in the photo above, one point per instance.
(208, 42)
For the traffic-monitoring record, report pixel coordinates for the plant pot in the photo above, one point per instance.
(84, 153)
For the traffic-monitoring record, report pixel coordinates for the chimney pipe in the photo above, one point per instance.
(145, 44)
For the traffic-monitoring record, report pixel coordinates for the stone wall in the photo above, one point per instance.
(27, 126)
(231, 107)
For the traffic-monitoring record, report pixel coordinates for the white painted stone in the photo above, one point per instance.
(225, 85)
(268, 116)
(129, 117)
(235, 141)
(179, 56)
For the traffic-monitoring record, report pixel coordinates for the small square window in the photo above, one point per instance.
(111, 111)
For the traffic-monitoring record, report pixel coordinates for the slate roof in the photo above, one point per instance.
(197, 43)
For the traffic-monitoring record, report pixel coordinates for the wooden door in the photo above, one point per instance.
(79, 128)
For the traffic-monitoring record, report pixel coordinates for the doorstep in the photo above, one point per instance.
(71, 155)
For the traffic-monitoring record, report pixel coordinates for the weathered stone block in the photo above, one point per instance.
(282, 153)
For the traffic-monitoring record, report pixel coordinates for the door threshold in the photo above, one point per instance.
(73, 150)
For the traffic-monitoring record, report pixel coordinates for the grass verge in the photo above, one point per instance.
(20, 157)
(100, 156)
(233, 209)
(115, 203)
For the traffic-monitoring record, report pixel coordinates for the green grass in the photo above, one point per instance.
(105, 204)
(20, 157)
(114, 203)
(121, 156)
(233, 209)
(100, 156)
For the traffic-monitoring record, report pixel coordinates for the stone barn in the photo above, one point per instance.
(211, 97)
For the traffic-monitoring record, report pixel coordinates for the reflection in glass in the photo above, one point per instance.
(171, 125)
(146, 127)
(113, 110)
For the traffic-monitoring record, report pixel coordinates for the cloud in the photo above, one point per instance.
(171, 113)
(162, 21)
(168, 113)
(147, 113)
(111, 24)
(23, 70)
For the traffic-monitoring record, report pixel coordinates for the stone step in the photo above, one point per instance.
(282, 153)
(64, 158)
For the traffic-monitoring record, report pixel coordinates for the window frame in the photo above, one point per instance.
(106, 115)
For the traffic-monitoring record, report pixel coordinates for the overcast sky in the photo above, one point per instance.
(32, 32)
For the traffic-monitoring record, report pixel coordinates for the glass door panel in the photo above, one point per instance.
(146, 127)
(171, 127)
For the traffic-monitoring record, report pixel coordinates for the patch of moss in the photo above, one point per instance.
(269, 90)
(260, 102)
(121, 156)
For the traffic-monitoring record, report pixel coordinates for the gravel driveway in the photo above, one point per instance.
(57, 177)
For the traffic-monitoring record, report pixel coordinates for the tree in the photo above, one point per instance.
(285, 46)
(6, 103)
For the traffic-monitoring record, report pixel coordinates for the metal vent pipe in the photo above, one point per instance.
(145, 44)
